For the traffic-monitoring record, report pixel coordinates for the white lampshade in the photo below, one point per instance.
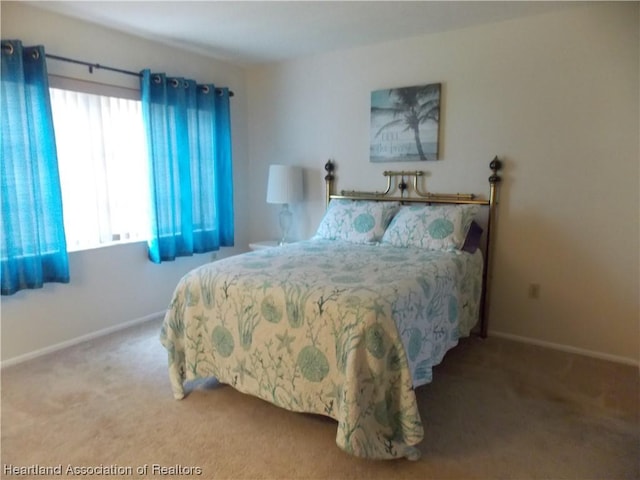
(285, 184)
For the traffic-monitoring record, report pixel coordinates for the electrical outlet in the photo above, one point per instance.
(534, 291)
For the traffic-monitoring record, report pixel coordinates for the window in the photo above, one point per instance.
(102, 158)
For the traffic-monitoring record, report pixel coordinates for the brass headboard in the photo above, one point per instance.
(412, 193)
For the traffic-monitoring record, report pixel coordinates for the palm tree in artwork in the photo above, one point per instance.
(412, 106)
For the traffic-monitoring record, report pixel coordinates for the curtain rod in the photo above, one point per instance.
(98, 66)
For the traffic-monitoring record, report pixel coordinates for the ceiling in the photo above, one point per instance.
(255, 32)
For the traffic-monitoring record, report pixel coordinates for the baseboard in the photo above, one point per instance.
(567, 348)
(74, 341)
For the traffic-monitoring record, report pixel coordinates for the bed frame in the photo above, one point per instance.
(398, 189)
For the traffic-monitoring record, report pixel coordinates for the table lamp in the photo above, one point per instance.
(284, 187)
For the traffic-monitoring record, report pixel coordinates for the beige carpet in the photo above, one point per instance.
(496, 409)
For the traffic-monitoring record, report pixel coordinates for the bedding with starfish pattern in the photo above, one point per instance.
(328, 327)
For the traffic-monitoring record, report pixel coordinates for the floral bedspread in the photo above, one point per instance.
(327, 327)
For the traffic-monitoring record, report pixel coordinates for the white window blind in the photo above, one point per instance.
(102, 157)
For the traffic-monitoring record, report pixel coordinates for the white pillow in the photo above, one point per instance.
(433, 227)
(356, 221)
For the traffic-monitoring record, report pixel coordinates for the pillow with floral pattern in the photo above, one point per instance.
(356, 221)
(433, 227)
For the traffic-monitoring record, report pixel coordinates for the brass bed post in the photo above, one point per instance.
(494, 180)
(329, 177)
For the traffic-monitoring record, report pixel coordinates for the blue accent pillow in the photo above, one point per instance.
(472, 242)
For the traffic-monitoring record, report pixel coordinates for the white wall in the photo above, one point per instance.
(115, 285)
(556, 96)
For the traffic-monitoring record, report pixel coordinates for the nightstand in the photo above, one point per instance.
(264, 244)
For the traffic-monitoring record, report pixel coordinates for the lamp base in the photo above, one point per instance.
(286, 218)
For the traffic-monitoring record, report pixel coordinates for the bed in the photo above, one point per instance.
(348, 323)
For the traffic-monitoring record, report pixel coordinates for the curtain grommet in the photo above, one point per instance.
(8, 47)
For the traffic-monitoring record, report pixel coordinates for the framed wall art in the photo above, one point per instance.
(405, 124)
